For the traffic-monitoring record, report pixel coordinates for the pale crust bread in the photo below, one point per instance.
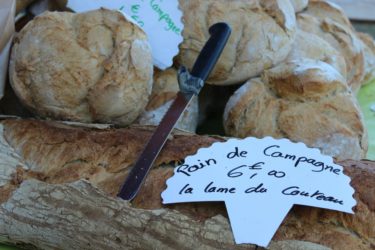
(311, 46)
(299, 5)
(306, 101)
(323, 9)
(328, 22)
(60, 154)
(369, 54)
(164, 91)
(94, 66)
(262, 35)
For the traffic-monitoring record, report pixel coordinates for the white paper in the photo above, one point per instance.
(7, 10)
(260, 180)
(161, 20)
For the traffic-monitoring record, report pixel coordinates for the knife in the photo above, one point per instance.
(190, 84)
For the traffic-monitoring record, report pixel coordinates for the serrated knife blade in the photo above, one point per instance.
(190, 85)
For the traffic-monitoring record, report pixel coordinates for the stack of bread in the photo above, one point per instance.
(296, 66)
(302, 68)
(96, 67)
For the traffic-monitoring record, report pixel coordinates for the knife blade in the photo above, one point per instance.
(190, 84)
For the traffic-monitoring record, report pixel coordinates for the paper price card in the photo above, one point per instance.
(161, 20)
(260, 180)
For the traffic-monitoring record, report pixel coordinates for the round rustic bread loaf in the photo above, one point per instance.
(164, 91)
(306, 101)
(262, 35)
(308, 45)
(323, 9)
(329, 23)
(299, 5)
(94, 66)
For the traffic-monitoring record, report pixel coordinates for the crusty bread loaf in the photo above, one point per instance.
(369, 54)
(328, 22)
(164, 91)
(323, 9)
(262, 35)
(299, 5)
(306, 101)
(93, 66)
(311, 46)
(43, 162)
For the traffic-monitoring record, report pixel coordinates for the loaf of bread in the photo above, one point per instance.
(299, 5)
(369, 54)
(164, 91)
(59, 185)
(328, 22)
(306, 101)
(325, 9)
(262, 35)
(311, 46)
(88, 67)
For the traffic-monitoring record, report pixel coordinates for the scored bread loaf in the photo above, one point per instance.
(369, 54)
(164, 91)
(323, 9)
(62, 180)
(328, 22)
(299, 5)
(93, 66)
(306, 101)
(262, 35)
(308, 45)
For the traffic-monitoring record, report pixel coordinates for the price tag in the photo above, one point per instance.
(161, 20)
(260, 180)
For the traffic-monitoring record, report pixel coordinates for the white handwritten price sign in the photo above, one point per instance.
(161, 20)
(260, 180)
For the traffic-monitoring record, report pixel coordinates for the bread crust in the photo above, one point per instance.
(58, 156)
(84, 67)
(262, 35)
(299, 5)
(328, 21)
(306, 101)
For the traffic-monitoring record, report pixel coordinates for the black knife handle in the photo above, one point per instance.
(215, 45)
(211, 51)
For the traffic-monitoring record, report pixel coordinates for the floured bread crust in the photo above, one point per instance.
(306, 101)
(262, 35)
(164, 91)
(311, 46)
(329, 23)
(323, 9)
(299, 5)
(76, 172)
(94, 66)
(369, 54)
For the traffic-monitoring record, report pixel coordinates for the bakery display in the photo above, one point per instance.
(89, 67)
(164, 91)
(304, 100)
(262, 36)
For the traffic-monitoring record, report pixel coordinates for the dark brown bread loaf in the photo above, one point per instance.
(42, 163)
